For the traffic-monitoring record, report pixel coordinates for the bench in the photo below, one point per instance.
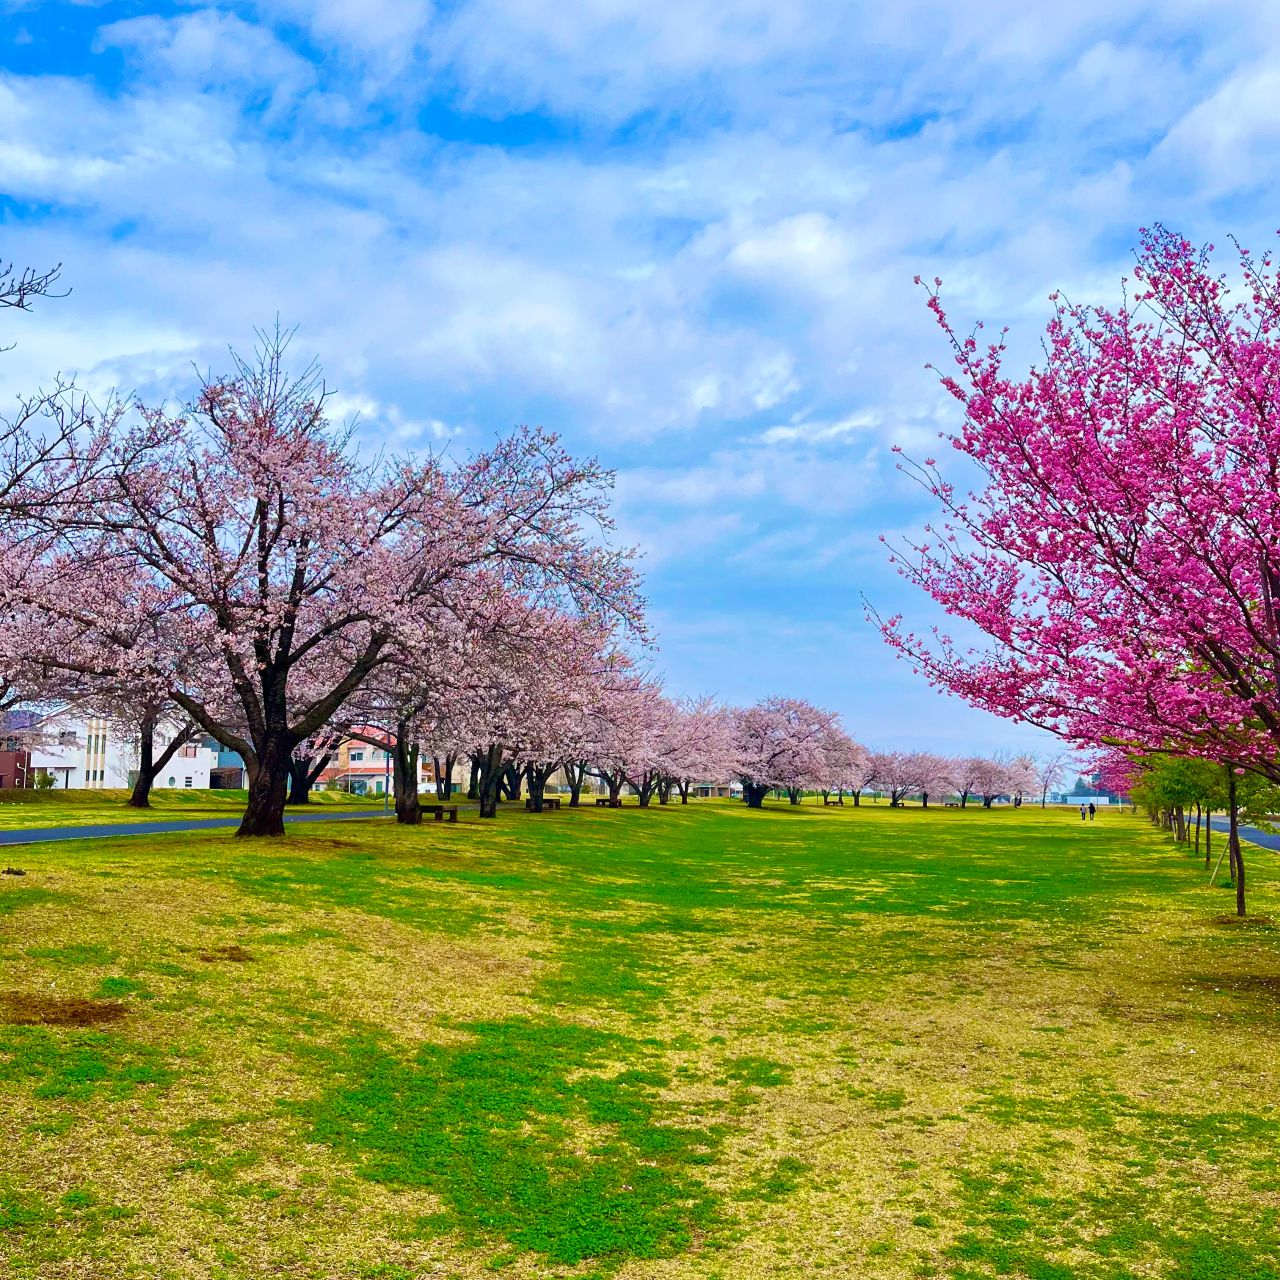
(833, 803)
(548, 802)
(605, 803)
(441, 809)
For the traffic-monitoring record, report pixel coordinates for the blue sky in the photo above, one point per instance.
(683, 235)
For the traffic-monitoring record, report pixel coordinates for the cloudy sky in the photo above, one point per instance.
(682, 234)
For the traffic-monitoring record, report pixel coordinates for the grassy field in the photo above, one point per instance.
(26, 809)
(679, 1043)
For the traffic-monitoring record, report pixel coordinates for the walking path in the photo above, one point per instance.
(97, 831)
(1263, 839)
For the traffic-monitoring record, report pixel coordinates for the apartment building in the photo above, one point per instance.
(87, 752)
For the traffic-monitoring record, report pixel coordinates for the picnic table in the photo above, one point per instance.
(604, 802)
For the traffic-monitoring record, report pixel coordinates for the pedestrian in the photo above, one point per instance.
(1092, 810)
(1083, 813)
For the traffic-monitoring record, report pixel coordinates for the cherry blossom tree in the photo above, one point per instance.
(779, 744)
(1049, 769)
(293, 569)
(1121, 552)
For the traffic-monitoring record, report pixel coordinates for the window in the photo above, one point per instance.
(186, 782)
(357, 755)
(67, 738)
(173, 782)
(189, 751)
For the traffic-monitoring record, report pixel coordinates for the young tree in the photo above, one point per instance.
(1050, 768)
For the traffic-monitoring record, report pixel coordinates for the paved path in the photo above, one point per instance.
(1263, 839)
(41, 835)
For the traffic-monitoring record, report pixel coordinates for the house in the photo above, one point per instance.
(89, 752)
(365, 770)
(716, 790)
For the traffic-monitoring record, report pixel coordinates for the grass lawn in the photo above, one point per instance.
(26, 809)
(679, 1043)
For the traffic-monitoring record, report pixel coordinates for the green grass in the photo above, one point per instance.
(25, 809)
(687, 1042)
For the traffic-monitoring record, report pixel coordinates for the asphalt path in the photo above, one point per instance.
(1263, 839)
(100, 831)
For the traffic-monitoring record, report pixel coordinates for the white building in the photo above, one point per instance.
(90, 753)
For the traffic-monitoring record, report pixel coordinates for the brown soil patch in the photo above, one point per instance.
(1244, 922)
(26, 1009)
(12, 871)
(235, 953)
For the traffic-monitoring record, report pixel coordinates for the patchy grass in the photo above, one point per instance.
(24, 810)
(687, 1042)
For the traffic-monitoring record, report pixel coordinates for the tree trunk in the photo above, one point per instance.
(268, 785)
(405, 777)
(490, 771)
(1237, 860)
(1197, 830)
(577, 775)
(683, 787)
(924, 799)
(857, 795)
(473, 782)
(149, 765)
(444, 777)
(1208, 835)
(141, 797)
(754, 793)
(793, 794)
(538, 779)
(299, 785)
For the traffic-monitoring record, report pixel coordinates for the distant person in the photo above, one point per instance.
(1084, 814)
(1092, 810)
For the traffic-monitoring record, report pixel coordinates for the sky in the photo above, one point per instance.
(683, 235)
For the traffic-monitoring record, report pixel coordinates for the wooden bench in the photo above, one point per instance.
(441, 809)
(834, 803)
(603, 802)
(548, 802)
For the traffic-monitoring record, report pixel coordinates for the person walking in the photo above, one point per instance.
(1083, 813)
(1092, 810)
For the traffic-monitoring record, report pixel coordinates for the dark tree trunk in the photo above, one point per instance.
(299, 786)
(614, 782)
(405, 773)
(1197, 830)
(753, 793)
(473, 781)
(857, 795)
(444, 777)
(268, 784)
(512, 781)
(1208, 835)
(644, 789)
(924, 799)
(141, 797)
(682, 786)
(793, 794)
(964, 799)
(489, 776)
(576, 772)
(1237, 860)
(539, 776)
(664, 790)
(149, 764)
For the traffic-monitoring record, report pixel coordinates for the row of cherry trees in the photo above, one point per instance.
(234, 566)
(1116, 533)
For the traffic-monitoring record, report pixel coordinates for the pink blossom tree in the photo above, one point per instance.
(779, 743)
(292, 569)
